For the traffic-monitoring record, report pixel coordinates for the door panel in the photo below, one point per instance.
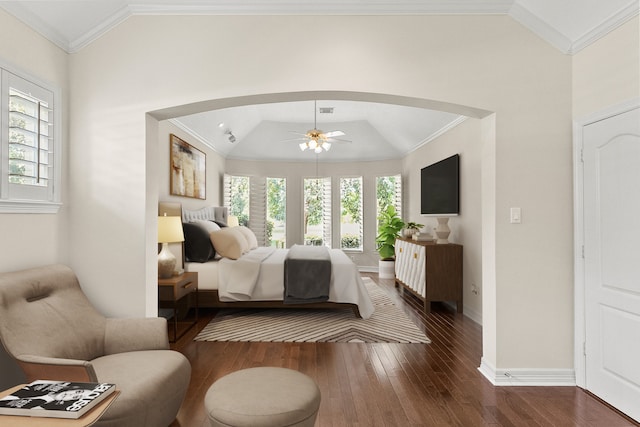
(611, 153)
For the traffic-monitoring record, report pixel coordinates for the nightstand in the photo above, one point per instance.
(171, 291)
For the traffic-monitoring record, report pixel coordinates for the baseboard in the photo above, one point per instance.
(472, 314)
(527, 377)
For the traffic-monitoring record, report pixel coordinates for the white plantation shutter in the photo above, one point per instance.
(398, 201)
(258, 208)
(326, 211)
(30, 150)
(226, 192)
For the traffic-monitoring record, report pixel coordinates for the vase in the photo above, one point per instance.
(443, 230)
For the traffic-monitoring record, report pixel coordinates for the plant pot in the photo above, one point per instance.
(386, 269)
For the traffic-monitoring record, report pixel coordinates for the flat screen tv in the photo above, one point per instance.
(440, 188)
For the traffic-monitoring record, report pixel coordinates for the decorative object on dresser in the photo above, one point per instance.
(390, 225)
(169, 231)
(411, 228)
(433, 272)
(443, 231)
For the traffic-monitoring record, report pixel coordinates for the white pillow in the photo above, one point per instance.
(229, 242)
(252, 240)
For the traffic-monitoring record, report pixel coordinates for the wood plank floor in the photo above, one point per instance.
(435, 384)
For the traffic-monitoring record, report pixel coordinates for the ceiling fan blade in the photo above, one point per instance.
(346, 141)
(293, 139)
(334, 133)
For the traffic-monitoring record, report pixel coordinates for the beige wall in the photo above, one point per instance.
(30, 240)
(607, 72)
(486, 62)
(466, 229)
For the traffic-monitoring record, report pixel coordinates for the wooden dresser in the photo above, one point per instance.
(430, 271)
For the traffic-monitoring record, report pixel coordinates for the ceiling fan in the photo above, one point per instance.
(315, 139)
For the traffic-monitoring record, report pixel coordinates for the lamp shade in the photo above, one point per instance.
(170, 229)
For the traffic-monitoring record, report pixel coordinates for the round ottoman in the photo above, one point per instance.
(262, 397)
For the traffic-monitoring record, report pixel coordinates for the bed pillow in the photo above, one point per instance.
(249, 235)
(210, 226)
(229, 242)
(197, 244)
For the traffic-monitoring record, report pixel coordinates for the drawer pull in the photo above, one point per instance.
(188, 285)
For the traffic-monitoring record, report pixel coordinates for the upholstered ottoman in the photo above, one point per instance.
(262, 397)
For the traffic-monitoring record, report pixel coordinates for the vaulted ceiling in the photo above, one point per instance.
(376, 131)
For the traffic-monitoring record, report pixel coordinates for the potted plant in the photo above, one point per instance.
(411, 228)
(390, 225)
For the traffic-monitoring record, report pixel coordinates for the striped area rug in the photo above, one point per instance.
(388, 324)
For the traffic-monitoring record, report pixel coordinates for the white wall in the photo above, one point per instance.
(466, 229)
(30, 240)
(487, 62)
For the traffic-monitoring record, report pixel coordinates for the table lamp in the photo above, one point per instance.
(169, 231)
(232, 221)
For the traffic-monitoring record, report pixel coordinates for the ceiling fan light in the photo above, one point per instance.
(303, 146)
(318, 149)
(313, 144)
(326, 146)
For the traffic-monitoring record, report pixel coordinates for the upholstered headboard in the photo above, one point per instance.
(216, 213)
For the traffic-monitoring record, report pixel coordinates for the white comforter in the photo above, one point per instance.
(259, 276)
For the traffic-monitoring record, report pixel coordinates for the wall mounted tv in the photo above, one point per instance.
(440, 188)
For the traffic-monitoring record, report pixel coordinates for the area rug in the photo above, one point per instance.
(388, 324)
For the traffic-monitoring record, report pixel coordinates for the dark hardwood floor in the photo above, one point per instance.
(435, 384)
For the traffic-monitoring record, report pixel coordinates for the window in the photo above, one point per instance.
(236, 197)
(277, 212)
(388, 192)
(30, 156)
(351, 213)
(317, 211)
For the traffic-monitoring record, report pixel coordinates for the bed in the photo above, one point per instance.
(256, 277)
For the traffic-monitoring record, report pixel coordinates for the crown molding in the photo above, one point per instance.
(36, 24)
(204, 141)
(540, 28)
(564, 43)
(614, 21)
(99, 30)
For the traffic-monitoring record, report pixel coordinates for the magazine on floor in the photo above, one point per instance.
(56, 399)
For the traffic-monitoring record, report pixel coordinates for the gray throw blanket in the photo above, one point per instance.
(307, 274)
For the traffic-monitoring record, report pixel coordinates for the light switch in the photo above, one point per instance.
(516, 217)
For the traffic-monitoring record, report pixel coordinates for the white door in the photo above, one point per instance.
(611, 155)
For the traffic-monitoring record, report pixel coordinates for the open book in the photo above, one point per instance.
(57, 399)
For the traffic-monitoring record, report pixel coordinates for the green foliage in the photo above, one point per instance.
(269, 232)
(413, 226)
(313, 202)
(239, 197)
(277, 198)
(351, 200)
(350, 241)
(390, 226)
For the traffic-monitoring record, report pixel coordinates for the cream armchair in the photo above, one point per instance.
(51, 329)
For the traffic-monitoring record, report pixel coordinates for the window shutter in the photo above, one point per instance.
(398, 199)
(258, 208)
(30, 153)
(326, 211)
(226, 192)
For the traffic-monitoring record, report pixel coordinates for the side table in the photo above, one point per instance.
(172, 290)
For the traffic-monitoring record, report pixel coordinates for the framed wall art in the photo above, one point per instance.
(188, 169)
